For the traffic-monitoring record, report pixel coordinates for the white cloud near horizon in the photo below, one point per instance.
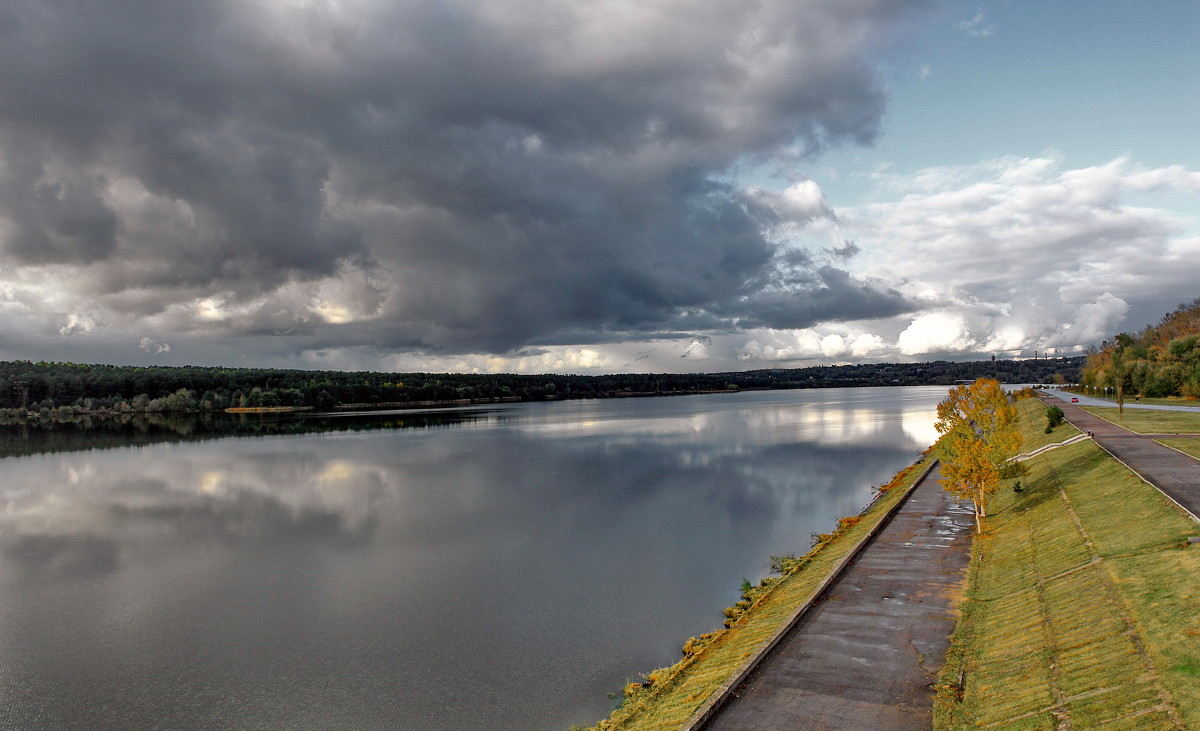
(1021, 254)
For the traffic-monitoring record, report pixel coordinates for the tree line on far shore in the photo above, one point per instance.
(37, 388)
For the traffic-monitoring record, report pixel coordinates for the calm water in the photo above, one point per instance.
(506, 572)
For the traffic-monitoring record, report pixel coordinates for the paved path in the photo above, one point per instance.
(866, 655)
(1173, 472)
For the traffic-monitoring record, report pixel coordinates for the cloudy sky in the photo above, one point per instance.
(591, 185)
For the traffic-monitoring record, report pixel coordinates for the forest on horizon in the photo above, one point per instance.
(28, 388)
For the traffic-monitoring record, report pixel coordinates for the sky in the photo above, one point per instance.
(592, 186)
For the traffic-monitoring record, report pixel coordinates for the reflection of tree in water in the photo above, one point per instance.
(128, 430)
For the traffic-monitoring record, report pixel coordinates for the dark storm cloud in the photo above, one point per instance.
(827, 294)
(847, 250)
(507, 172)
(53, 222)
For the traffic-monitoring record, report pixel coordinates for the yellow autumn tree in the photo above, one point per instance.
(980, 435)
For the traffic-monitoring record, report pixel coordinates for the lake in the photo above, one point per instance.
(498, 568)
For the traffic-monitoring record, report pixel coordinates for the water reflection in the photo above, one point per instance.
(505, 573)
(122, 430)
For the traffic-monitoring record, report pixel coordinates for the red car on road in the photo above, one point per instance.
(1074, 400)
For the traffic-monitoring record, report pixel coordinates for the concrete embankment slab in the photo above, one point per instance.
(867, 654)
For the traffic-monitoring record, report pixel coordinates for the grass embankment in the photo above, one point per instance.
(672, 695)
(1082, 604)
(1149, 421)
(1187, 446)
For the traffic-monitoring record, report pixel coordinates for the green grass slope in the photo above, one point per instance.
(1147, 421)
(1083, 605)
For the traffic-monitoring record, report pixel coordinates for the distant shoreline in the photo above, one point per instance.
(70, 389)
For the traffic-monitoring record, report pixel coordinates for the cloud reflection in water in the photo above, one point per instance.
(450, 578)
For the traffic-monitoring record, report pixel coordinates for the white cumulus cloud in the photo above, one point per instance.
(1023, 254)
(153, 347)
(76, 325)
(936, 332)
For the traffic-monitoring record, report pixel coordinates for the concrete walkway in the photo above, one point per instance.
(868, 653)
(1172, 472)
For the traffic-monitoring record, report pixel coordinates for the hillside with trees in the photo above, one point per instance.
(1161, 360)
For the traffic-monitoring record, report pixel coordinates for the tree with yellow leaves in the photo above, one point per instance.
(980, 435)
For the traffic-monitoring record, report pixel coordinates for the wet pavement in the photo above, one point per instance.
(867, 654)
(1173, 472)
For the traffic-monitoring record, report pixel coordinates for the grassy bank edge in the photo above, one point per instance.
(1030, 650)
(1146, 421)
(675, 697)
(1190, 447)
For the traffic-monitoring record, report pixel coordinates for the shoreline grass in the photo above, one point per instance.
(1081, 603)
(1033, 426)
(672, 695)
(1188, 446)
(1149, 421)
